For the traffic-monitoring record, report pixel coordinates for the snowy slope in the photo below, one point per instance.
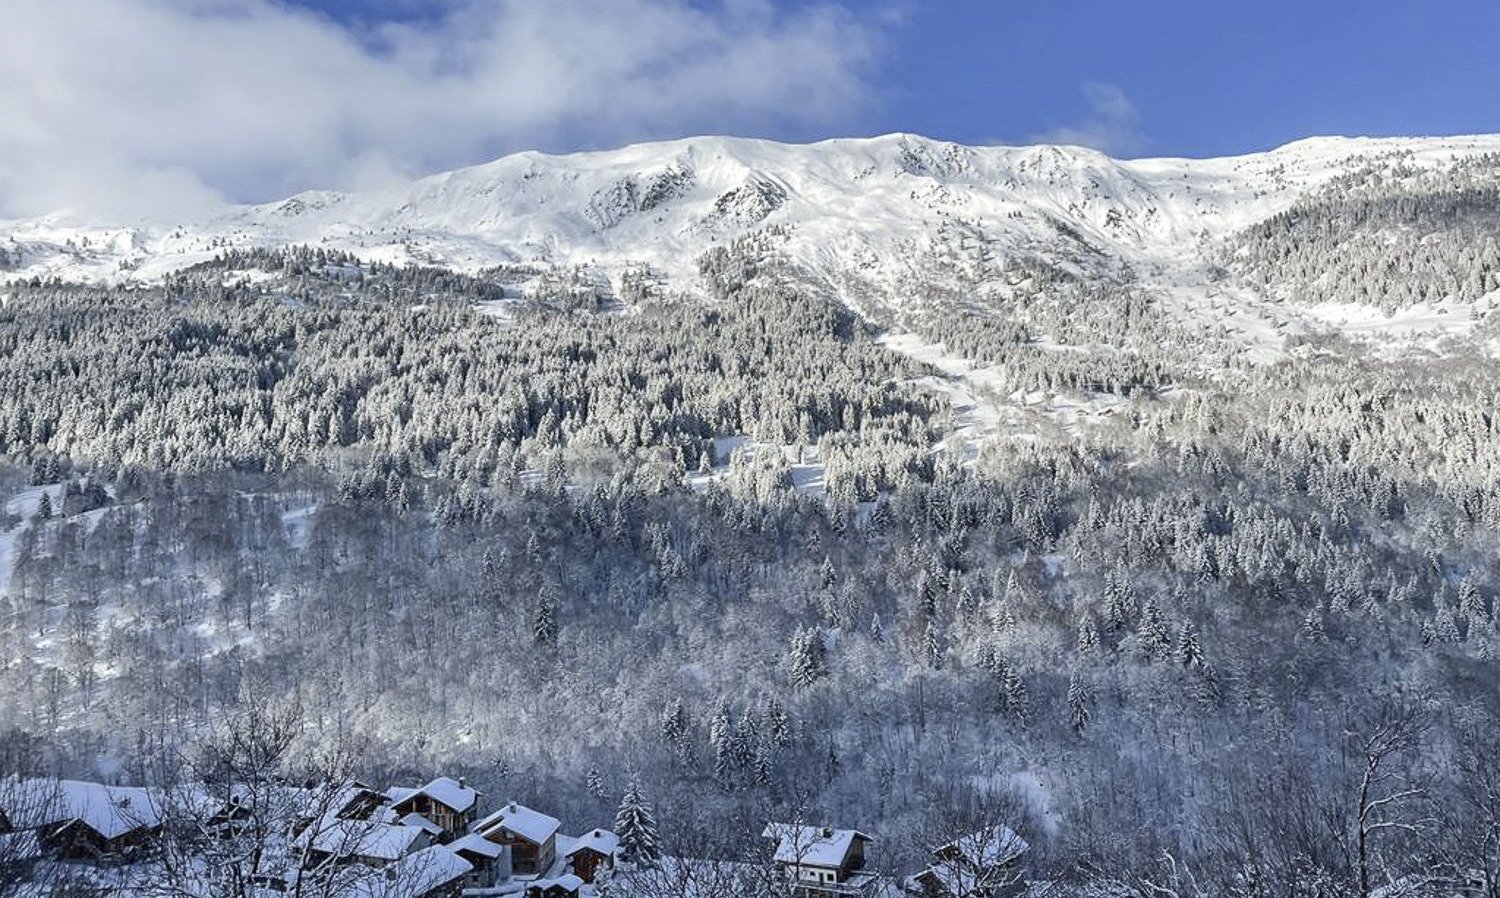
(870, 216)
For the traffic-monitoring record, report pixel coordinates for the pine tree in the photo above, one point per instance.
(1470, 603)
(778, 726)
(1017, 700)
(635, 824)
(827, 576)
(720, 732)
(1189, 651)
(44, 507)
(932, 645)
(1078, 704)
(1312, 627)
(808, 660)
(595, 784)
(544, 623)
(1088, 635)
(1152, 634)
(674, 724)
(761, 769)
(1206, 563)
(926, 595)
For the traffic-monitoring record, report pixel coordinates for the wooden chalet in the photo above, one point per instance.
(822, 862)
(490, 862)
(591, 853)
(978, 865)
(530, 835)
(358, 801)
(447, 802)
(97, 824)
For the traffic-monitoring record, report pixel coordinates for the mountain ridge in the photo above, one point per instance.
(897, 227)
(536, 206)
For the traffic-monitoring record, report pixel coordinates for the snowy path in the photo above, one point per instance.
(986, 408)
(23, 504)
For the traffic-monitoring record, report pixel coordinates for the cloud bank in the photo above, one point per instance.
(140, 107)
(1112, 126)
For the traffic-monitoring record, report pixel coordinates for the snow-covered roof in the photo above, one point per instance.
(949, 878)
(986, 848)
(354, 792)
(568, 881)
(477, 844)
(398, 794)
(20, 846)
(422, 823)
(813, 846)
(601, 840)
(363, 838)
(452, 793)
(415, 874)
(533, 826)
(445, 790)
(111, 811)
(955, 879)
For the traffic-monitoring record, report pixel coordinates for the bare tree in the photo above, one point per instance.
(1471, 825)
(1390, 790)
(25, 806)
(976, 851)
(243, 811)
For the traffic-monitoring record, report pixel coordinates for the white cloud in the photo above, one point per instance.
(139, 106)
(1112, 126)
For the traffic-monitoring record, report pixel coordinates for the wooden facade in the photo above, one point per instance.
(565, 886)
(527, 858)
(586, 863)
(451, 820)
(77, 841)
(489, 863)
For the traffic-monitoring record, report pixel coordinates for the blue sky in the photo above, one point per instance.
(165, 106)
(1199, 77)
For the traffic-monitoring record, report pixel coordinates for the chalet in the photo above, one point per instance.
(78, 821)
(447, 802)
(357, 801)
(565, 886)
(822, 862)
(489, 862)
(367, 842)
(530, 835)
(591, 853)
(982, 864)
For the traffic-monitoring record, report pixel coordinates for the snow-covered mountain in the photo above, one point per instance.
(874, 218)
